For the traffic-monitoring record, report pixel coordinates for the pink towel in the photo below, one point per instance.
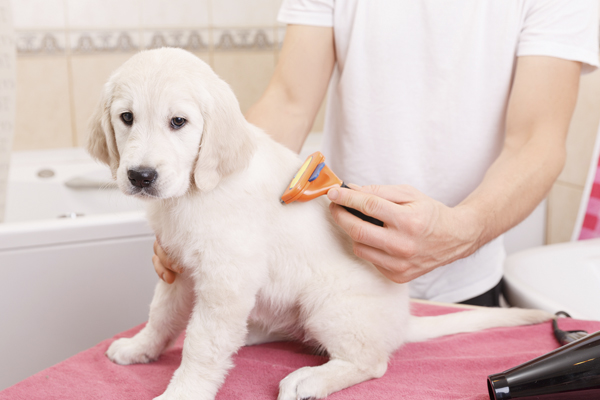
(452, 367)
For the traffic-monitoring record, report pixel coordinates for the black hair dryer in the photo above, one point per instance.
(569, 372)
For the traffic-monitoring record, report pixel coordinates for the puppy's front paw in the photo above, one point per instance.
(184, 391)
(127, 351)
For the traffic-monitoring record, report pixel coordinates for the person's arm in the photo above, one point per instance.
(421, 234)
(287, 109)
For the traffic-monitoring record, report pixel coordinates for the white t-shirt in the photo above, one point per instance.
(419, 96)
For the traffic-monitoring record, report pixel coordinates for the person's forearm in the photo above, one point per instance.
(513, 186)
(542, 101)
(282, 120)
(288, 107)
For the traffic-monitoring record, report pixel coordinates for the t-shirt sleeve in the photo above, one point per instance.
(565, 29)
(306, 12)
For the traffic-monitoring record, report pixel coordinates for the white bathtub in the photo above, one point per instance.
(66, 284)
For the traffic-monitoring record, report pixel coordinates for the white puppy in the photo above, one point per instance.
(254, 270)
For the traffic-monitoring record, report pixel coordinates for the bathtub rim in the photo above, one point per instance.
(49, 232)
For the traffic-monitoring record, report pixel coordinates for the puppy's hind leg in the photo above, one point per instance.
(359, 343)
(169, 313)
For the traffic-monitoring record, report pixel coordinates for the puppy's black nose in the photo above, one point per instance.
(142, 177)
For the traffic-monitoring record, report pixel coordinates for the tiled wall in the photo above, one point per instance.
(565, 197)
(67, 49)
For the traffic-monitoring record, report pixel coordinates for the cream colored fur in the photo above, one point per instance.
(254, 270)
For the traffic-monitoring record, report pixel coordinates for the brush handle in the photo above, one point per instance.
(360, 215)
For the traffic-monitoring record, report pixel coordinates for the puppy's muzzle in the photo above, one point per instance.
(142, 177)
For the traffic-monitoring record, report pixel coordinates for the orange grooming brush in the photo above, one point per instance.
(314, 179)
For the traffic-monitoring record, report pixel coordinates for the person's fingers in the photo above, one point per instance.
(364, 202)
(391, 267)
(165, 269)
(160, 270)
(158, 250)
(398, 204)
(165, 260)
(169, 276)
(353, 186)
(358, 230)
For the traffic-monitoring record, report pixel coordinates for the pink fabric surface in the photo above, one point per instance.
(452, 367)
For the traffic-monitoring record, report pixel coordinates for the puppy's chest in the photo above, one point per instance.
(180, 230)
(189, 231)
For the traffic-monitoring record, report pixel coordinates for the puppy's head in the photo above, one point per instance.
(166, 122)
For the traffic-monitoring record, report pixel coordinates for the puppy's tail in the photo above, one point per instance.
(424, 328)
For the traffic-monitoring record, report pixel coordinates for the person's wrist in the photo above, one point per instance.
(472, 223)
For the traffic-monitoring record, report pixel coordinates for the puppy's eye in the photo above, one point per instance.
(177, 122)
(127, 118)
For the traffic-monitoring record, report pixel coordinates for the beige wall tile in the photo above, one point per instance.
(563, 204)
(247, 72)
(175, 13)
(236, 13)
(277, 5)
(39, 14)
(90, 72)
(43, 116)
(103, 14)
(583, 130)
(204, 56)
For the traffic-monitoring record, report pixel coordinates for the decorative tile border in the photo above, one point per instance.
(104, 41)
(48, 43)
(193, 40)
(244, 39)
(201, 39)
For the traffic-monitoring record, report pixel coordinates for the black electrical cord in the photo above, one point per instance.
(566, 337)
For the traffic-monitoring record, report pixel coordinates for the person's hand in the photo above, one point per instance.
(166, 269)
(419, 233)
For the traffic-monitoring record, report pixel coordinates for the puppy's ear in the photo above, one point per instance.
(227, 143)
(101, 142)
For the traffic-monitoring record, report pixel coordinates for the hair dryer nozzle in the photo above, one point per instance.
(569, 372)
